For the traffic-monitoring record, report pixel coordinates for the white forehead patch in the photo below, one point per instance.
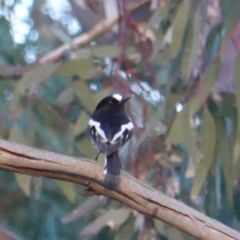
(117, 97)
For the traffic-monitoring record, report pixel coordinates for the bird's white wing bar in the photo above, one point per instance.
(118, 97)
(96, 124)
(105, 165)
(128, 126)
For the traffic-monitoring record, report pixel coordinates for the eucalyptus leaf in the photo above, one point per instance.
(180, 132)
(68, 190)
(192, 49)
(32, 80)
(110, 51)
(81, 68)
(236, 149)
(37, 183)
(160, 227)
(112, 218)
(230, 18)
(24, 182)
(179, 26)
(85, 146)
(205, 87)
(66, 96)
(51, 117)
(208, 144)
(80, 125)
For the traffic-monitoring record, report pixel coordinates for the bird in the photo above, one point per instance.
(110, 128)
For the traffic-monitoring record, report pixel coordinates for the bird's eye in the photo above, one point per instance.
(110, 103)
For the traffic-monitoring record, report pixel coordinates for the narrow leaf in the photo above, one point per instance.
(82, 68)
(66, 96)
(112, 218)
(236, 149)
(85, 208)
(205, 87)
(81, 125)
(179, 26)
(24, 182)
(110, 51)
(230, 17)
(29, 83)
(208, 143)
(181, 133)
(192, 49)
(68, 190)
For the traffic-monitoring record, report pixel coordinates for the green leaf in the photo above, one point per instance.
(213, 44)
(236, 149)
(29, 85)
(168, 231)
(180, 132)
(86, 207)
(111, 51)
(68, 190)
(205, 86)
(160, 227)
(84, 94)
(174, 233)
(31, 81)
(230, 10)
(28, 127)
(51, 117)
(87, 98)
(179, 26)
(159, 14)
(37, 186)
(128, 229)
(112, 218)
(17, 135)
(84, 53)
(66, 96)
(85, 146)
(81, 125)
(226, 165)
(208, 144)
(81, 68)
(24, 182)
(191, 53)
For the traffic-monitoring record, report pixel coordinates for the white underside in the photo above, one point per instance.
(128, 126)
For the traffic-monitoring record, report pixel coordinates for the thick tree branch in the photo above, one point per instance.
(126, 189)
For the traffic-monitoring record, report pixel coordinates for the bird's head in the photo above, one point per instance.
(114, 102)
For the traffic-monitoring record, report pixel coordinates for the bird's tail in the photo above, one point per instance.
(112, 164)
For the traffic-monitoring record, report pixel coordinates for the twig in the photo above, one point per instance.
(126, 189)
(85, 38)
(10, 71)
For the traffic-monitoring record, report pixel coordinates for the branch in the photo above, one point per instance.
(126, 189)
(11, 71)
(89, 36)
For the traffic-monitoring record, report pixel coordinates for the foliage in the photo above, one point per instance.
(185, 106)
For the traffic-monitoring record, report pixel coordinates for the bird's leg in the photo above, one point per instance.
(97, 156)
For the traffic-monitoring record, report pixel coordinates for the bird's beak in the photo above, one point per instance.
(125, 99)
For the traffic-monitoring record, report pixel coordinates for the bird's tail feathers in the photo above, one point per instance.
(112, 164)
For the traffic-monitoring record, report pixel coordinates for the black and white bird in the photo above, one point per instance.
(110, 128)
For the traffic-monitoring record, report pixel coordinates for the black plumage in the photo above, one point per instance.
(110, 128)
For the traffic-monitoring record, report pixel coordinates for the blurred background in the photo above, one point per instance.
(180, 62)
